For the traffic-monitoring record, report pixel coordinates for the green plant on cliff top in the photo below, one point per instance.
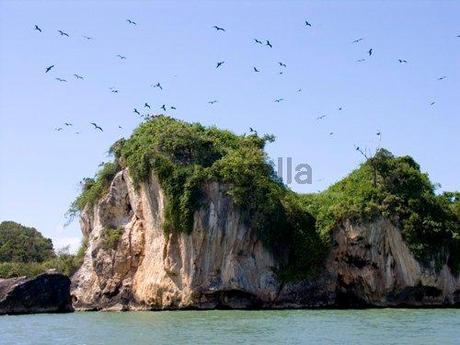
(395, 188)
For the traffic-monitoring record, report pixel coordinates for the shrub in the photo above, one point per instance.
(111, 237)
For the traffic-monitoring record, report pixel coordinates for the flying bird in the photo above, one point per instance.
(63, 33)
(299, 90)
(49, 68)
(218, 28)
(58, 129)
(340, 108)
(78, 76)
(61, 80)
(163, 107)
(96, 126)
(121, 57)
(87, 37)
(212, 102)
(432, 103)
(282, 64)
(331, 133)
(136, 111)
(357, 40)
(220, 63)
(120, 127)
(68, 124)
(257, 41)
(307, 23)
(146, 105)
(158, 85)
(361, 60)
(279, 100)
(256, 70)
(37, 28)
(173, 108)
(370, 51)
(321, 117)
(131, 22)
(114, 91)
(378, 133)
(443, 77)
(269, 44)
(402, 61)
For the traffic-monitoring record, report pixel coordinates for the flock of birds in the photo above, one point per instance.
(219, 65)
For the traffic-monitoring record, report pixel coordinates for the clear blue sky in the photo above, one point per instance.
(174, 43)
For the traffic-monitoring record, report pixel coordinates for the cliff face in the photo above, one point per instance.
(222, 263)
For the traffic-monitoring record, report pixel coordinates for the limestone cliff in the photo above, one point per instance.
(222, 263)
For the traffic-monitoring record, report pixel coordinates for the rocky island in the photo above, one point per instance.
(188, 216)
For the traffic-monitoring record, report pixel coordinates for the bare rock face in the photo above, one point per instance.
(371, 265)
(46, 293)
(222, 263)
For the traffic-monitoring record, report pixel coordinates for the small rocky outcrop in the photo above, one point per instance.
(46, 293)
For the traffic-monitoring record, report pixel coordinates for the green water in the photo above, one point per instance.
(377, 326)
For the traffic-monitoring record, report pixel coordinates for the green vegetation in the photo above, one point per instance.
(297, 228)
(19, 243)
(25, 252)
(394, 187)
(111, 237)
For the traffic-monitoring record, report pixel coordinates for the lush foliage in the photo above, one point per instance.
(19, 243)
(25, 252)
(395, 188)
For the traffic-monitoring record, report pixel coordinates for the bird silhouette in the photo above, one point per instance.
(49, 68)
(121, 57)
(218, 28)
(173, 108)
(136, 111)
(87, 37)
(61, 80)
(282, 64)
(163, 107)
(357, 40)
(58, 129)
(279, 100)
(37, 28)
(114, 91)
(68, 124)
(340, 108)
(120, 127)
(212, 102)
(370, 51)
(378, 133)
(78, 76)
(432, 103)
(97, 127)
(442, 78)
(402, 61)
(146, 105)
(331, 133)
(299, 90)
(62, 33)
(361, 60)
(256, 70)
(220, 63)
(307, 23)
(131, 22)
(321, 117)
(257, 41)
(158, 85)
(251, 129)
(269, 44)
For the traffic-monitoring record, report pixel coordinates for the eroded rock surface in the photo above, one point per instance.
(222, 263)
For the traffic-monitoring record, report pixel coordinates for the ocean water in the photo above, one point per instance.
(372, 326)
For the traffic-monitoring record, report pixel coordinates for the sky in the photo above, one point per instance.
(174, 43)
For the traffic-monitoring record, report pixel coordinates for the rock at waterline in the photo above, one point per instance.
(45, 293)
